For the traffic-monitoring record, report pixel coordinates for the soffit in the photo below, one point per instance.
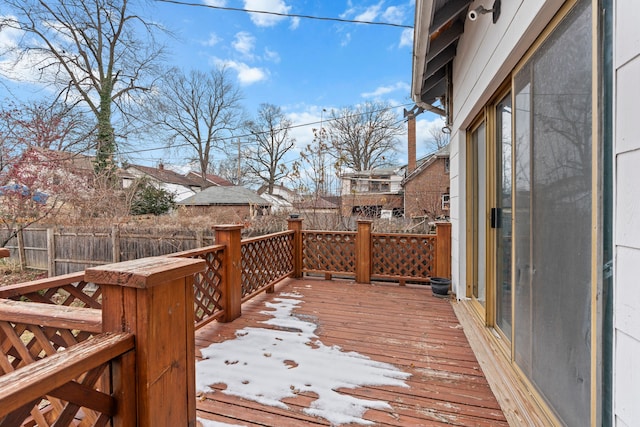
(445, 20)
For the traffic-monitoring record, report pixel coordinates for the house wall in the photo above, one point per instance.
(476, 77)
(626, 57)
(423, 194)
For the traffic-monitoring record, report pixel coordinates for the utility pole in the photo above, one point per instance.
(239, 168)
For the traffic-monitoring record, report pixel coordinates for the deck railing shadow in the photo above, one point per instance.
(67, 353)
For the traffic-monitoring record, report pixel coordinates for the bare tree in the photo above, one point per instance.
(273, 142)
(437, 138)
(98, 52)
(366, 136)
(199, 110)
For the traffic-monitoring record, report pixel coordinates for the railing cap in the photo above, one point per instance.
(144, 273)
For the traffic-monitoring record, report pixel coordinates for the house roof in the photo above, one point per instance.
(437, 29)
(425, 162)
(392, 170)
(225, 196)
(213, 179)
(281, 191)
(168, 176)
(316, 203)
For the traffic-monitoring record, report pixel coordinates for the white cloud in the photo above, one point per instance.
(384, 90)
(212, 40)
(346, 39)
(295, 23)
(394, 15)
(244, 43)
(406, 38)
(370, 13)
(268, 365)
(266, 20)
(216, 3)
(271, 55)
(246, 75)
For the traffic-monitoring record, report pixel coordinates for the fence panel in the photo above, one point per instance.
(329, 252)
(403, 256)
(207, 286)
(265, 261)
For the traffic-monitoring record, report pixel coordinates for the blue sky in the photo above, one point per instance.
(302, 65)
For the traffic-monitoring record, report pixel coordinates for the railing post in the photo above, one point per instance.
(443, 250)
(229, 236)
(51, 251)
(363, 252)
(295, 224)
(153, 299)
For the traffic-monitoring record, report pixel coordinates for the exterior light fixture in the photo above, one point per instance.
(481, 10)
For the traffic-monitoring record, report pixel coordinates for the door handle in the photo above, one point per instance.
(496, 217)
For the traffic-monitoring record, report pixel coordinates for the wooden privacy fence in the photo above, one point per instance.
(106, 345)
(62, 250)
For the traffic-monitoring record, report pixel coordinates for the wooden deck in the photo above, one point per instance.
(405, 326)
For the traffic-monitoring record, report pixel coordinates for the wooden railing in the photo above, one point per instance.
(207, 285)
(365, 255)
(265, 261)
(63, 362)
(69, 290)
(66, 343)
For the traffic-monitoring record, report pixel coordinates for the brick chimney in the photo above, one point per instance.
(411, 142)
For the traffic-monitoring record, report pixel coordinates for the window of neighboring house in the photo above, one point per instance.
(445, 202)
(446, 165)
(379, 186)
(359, 185)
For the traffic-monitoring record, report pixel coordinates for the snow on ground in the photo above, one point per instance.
(268, 365)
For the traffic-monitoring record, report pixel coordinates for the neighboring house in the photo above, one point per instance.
(282, 198)
(278, 204)
(542, 103)
(180, 185)
(226, 204)
(369, 193)
(426, 188)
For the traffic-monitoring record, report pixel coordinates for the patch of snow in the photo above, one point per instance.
(210, 423)
(268, 365)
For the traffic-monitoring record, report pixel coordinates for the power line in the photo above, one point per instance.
(232, 137)
(287, 15)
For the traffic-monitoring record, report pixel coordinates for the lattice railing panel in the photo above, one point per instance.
(326, 251)
(69, 290)
(207, 286)
(22, 344)
(87, 400)
(265, 260)
(403, 255)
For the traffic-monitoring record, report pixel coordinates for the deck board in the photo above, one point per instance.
(402, 325)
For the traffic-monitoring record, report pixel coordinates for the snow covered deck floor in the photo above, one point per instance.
(414, 366)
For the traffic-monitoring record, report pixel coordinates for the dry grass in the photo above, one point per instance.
(11, 273)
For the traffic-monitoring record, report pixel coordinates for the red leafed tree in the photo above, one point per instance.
(35, 188)
(55, 126)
